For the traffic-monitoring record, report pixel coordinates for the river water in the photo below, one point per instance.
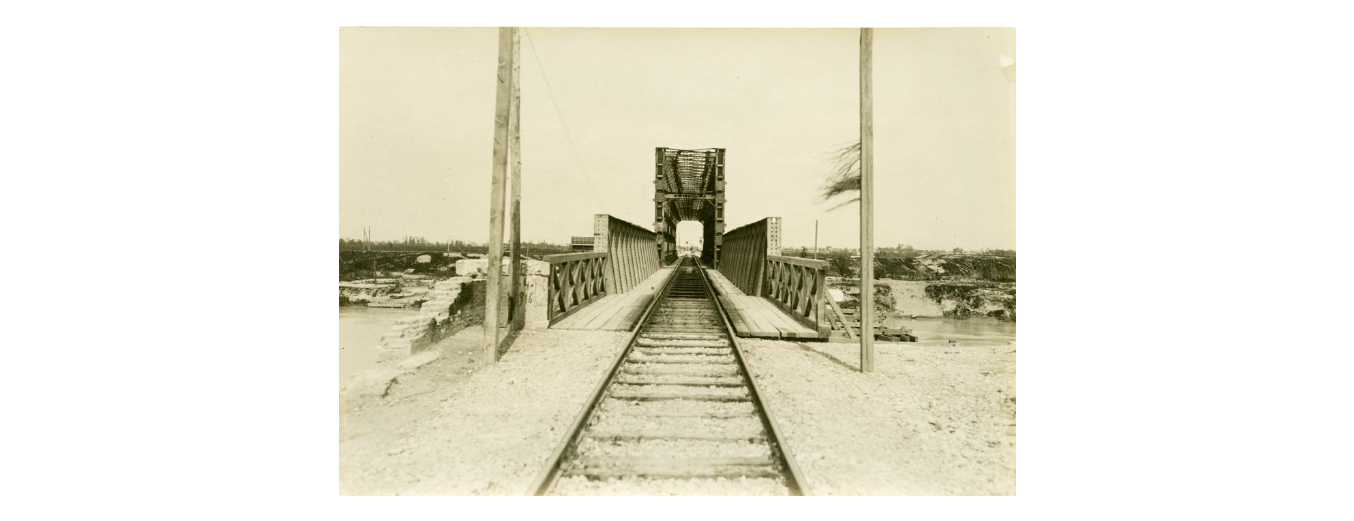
(360, 330)
(968, 332)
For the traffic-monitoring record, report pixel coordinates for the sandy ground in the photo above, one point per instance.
(459, 427)
(934, 419)
(931, 420)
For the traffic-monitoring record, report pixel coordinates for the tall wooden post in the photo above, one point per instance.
(815, 239)
(494, 259)
(516, 307)
(866, 201)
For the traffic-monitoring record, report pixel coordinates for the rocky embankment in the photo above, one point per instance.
(948, 267)
(936, 299)
(456, 302)
(400, 291)
(975, 299)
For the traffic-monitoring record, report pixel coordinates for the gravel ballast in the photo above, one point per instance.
(678, 406)
(460, 427)
(931, 419)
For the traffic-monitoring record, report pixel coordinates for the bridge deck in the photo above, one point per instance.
(756, 316)
(617, 312)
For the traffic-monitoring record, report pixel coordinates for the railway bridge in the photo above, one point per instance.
(680, 404)
(764, 293)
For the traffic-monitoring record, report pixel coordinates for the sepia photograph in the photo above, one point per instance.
(677, 261)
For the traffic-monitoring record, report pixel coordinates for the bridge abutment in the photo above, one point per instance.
(458, 302)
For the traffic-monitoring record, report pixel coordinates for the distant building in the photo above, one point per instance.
(580, 243)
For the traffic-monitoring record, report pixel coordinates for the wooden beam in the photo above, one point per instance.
(686, 371)
(760, 250)
(516, 307)
(674, 435)
(494, 259)
(866, 201)
(641, 396)
(678, 471)
(593, 462)
(678, 414)
(841, 317)
(570, 257)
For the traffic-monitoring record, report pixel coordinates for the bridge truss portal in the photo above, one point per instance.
(689, 186)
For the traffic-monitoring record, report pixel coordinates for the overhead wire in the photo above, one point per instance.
(569, 136)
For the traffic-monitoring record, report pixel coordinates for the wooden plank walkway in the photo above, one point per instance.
(755, 316)
(722, 284)
(617, 312)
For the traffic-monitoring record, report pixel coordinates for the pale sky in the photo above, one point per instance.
(417, 109)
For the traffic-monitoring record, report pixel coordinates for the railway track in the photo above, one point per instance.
(678, 413)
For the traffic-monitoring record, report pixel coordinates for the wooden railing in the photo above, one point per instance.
(623, 256)
(633, 249)
(751, 260)
(742, 258)
(576, 280)
(798, 286)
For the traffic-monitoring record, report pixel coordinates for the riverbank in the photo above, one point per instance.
(935, 299)
(360, 332)
(397, 290)
(948, 331)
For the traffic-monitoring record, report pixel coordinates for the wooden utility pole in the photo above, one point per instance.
(517, 311)
(815, 239)
(494, 259)
(866, 201)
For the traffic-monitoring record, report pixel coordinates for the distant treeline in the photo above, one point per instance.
(906, 252)
(909, 264)
(421, 245)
